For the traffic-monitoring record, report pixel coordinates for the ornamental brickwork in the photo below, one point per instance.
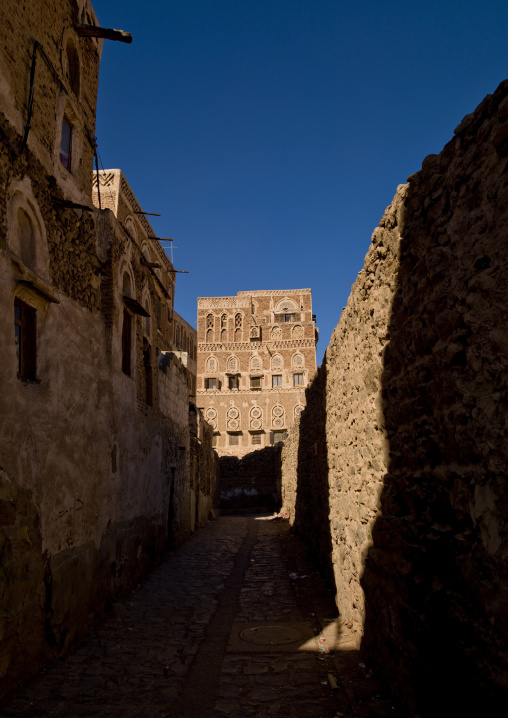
(256, 354)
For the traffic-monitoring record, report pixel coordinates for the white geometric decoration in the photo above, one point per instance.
(277, 362)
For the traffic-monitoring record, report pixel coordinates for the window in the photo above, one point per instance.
(214, 440)
(233, 382)
(234, 439)
(297, 379)
(26, 238)
(277, 362)
(256, 439)
(25, 328)
(289, 317)
(66, 144)
(126, 342)
(238, 327)
(298, 361)
(277, 380)
(277, 437)
(147, 363)
(72, 69)
(255, 382)
(211, 383)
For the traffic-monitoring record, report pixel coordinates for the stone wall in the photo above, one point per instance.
(413, 459)
(204, 471)
(252, 482)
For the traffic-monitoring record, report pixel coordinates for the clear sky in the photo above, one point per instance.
(271, 135)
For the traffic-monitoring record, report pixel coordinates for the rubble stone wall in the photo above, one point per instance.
(252, 482)
(415, 408)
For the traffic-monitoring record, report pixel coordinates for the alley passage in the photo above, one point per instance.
(222, 629)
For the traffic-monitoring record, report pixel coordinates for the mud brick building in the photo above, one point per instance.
(163, 329)
(102, 463)
(256, 355)
(185, 344)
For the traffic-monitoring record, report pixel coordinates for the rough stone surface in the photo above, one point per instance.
(253, 481)
(164, 650)
(405, 493)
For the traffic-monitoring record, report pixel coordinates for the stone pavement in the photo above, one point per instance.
(234, 624)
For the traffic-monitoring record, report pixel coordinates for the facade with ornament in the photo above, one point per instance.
(256, 354)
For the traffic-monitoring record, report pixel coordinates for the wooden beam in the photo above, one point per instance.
(105, 33)
(68, 204)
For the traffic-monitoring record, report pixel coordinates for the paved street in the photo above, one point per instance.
(234, 624)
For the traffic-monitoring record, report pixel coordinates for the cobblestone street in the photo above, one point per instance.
(233, 624)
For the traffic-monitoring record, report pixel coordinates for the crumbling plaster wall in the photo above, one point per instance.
(413, 474)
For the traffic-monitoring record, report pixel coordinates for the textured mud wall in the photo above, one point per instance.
(204, 471)
(94, 482)
(252, 482)
(305, 492)
(415, 410)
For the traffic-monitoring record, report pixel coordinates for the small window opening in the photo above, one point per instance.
(25, 328)
(147, 363)
(234, 439)
(211, 383)
(298, 379)
(233, 382)
(289, 317)
(277, 380)
(255, 382)
(26, 237)
(256, 439)
(73, 73)
(126, 342)
(66, 144)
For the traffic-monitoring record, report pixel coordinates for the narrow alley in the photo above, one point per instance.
(233, 624)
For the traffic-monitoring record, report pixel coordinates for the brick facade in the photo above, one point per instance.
(256, 355)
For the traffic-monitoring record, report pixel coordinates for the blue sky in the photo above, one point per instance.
(271, 135)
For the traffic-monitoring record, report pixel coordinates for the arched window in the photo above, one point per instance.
(238, 327)
(126, 328)
(131, 229)
(147, 324)
(26, 239)
(298, 361)
(26, 234)
(277, 362)
(72, 70)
